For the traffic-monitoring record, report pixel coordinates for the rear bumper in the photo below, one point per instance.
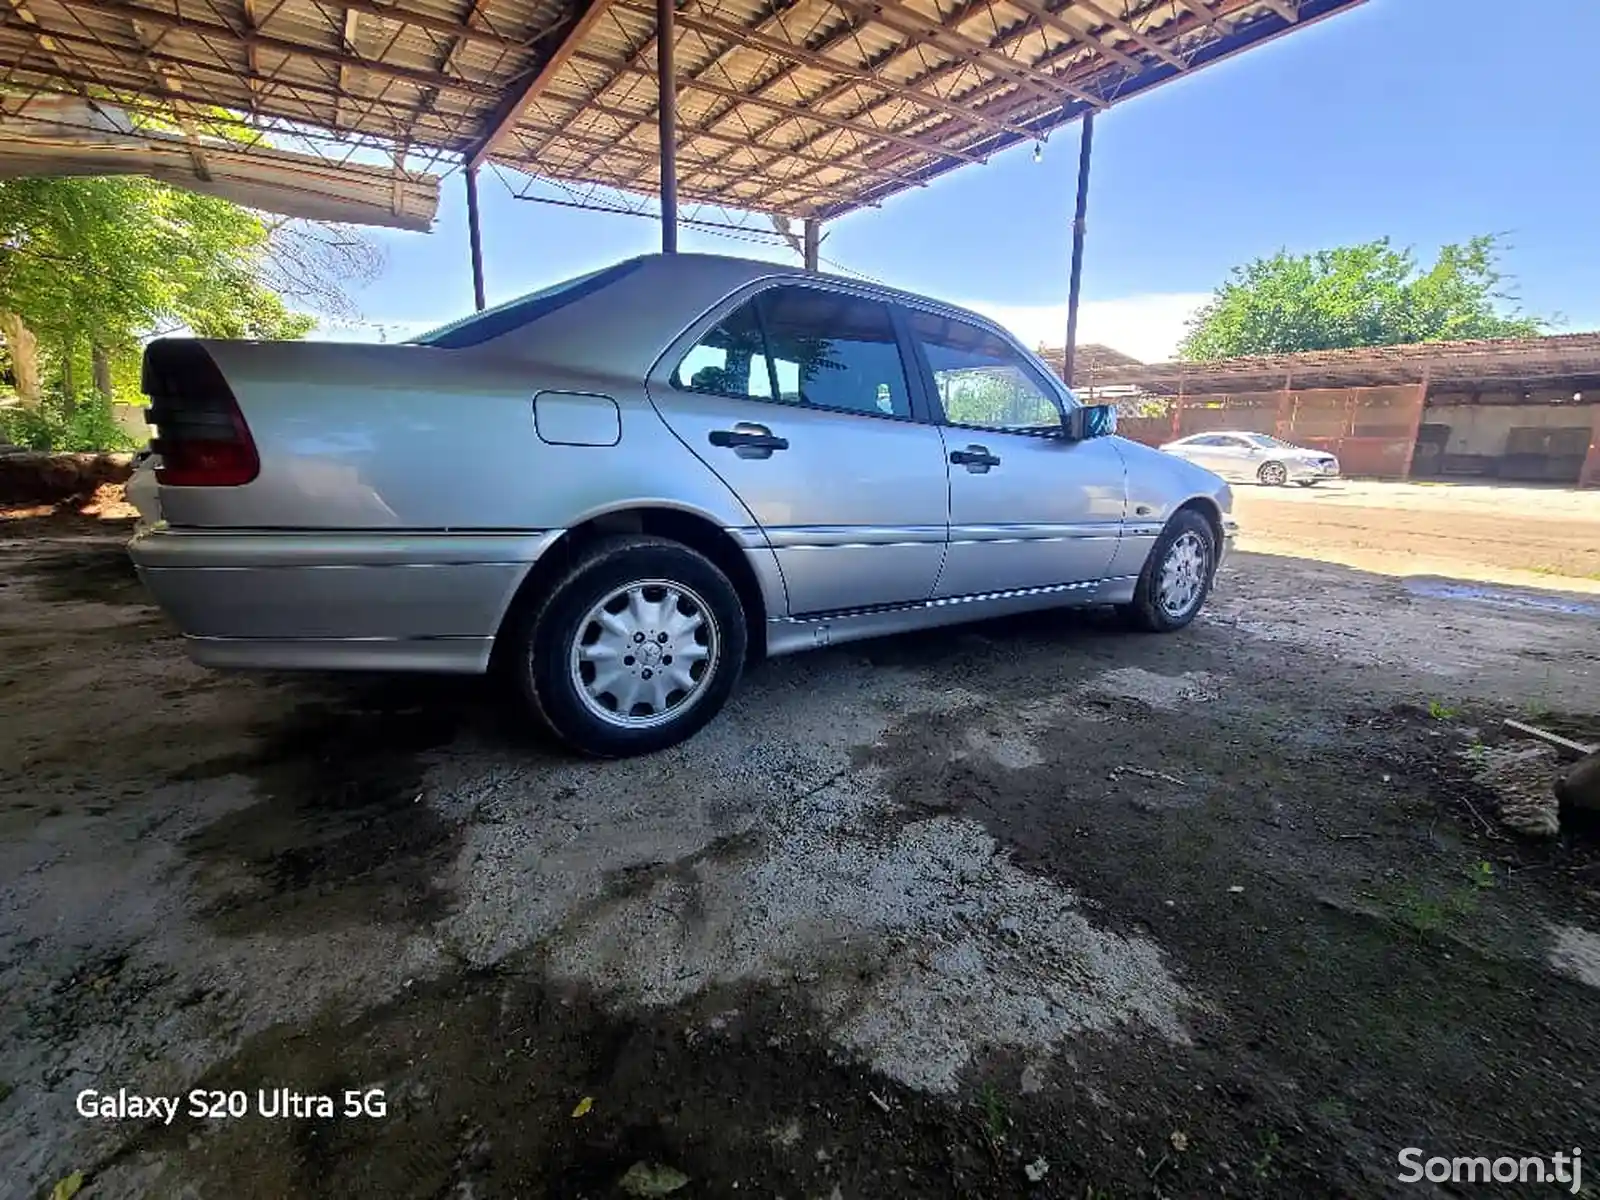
(336, 600)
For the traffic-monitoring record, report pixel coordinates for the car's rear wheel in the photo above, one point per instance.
(1176, 577)
(636, 647)
(1273, 474)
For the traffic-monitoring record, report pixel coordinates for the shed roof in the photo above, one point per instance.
(1510, 360)
(799, 107)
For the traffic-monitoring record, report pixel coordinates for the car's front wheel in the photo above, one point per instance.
(1273, 474)
(636, 647)
(1176, 577)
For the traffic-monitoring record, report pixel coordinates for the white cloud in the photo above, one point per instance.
(1148, 327)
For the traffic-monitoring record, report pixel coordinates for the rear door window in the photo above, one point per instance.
(803, 345)
(730, 360)
(836, 351)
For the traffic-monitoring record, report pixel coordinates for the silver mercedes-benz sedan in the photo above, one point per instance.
(622, 487)
(1258, 457)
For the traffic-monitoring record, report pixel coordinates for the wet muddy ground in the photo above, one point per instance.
(1032, 908)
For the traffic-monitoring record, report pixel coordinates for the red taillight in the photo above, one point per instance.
(201, 436)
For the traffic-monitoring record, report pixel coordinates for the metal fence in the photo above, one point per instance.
(1372, 430)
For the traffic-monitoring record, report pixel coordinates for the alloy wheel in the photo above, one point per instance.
(644, 653)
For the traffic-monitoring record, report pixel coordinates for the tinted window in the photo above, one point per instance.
(503, 318)
(981, 380)
(835, 351)
(729, 361)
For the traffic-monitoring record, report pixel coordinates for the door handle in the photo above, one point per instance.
(976, 459)
(749, 441)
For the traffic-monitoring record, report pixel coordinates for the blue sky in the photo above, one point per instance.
(1426, 120)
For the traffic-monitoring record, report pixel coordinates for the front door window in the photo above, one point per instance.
(981, 381)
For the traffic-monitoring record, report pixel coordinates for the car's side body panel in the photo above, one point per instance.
(406, 492)
(854, 506)
(1050, 513)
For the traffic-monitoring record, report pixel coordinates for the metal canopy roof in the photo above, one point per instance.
(1444, 364)
(809, 108)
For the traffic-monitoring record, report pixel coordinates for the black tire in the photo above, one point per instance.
(1272, 474)
(541, 657)
(1146, 612)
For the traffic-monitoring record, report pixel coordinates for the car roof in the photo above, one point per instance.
(655, 298)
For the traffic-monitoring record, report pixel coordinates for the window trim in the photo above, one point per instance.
(922, 411)
(1041, 380)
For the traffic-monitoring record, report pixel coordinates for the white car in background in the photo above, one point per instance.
(1258, 457)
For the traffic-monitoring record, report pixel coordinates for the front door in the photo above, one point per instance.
(798, 398)
(1233, 457)
(1028, 508)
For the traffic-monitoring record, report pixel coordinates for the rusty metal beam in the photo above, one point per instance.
(180, 106)
(1061, 25)
(1202, 9)
(908, 21)
(440, 25)
(350, 30)
(689, 134)
(775, 154)
(1020, 105)
(516, 103)
(836, 66)
(248, 38)
(137, 85)
(1128, 31)
(792, 112)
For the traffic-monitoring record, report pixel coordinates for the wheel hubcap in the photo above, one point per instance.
(1273, 473)
(1183, 574)
(643, 654)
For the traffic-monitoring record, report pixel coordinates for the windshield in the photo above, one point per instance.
(503, 318)
(1266, 442)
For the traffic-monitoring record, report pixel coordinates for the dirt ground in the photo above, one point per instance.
(1030, 908)
(1531, 536)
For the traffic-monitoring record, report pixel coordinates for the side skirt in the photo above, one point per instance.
(790, 635)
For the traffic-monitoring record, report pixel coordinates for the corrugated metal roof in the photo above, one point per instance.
(1563, 356)
(802, 107)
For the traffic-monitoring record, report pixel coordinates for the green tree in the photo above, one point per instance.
(92, 267)
(1366, 295)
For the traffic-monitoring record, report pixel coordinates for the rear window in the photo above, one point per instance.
(514, 314)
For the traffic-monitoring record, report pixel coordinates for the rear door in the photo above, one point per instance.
(799, 397)
(1028, 508)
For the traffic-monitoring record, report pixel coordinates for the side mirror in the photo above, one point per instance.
(1091, 421)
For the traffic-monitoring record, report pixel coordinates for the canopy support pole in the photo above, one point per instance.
(812, 244)
(667, 120)
(475, 236)
(1079, 228)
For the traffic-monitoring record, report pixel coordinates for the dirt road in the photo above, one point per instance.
(1532, 537)
(1034, 908)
